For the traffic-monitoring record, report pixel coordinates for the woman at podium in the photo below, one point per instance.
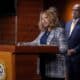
(51, 66)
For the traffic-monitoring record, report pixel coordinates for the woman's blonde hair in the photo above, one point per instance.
(39, 23)
(52, 14)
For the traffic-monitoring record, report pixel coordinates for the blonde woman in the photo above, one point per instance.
(51, 67)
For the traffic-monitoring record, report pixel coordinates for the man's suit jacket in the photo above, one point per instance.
(74, 38)
(73, 61)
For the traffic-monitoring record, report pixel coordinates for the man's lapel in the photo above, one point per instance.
(68, 29)
(75, 28)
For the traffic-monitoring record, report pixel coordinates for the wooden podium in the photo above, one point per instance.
(21, 61)
(8, 59)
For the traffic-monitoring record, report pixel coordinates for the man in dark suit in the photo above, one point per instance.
(73, 37)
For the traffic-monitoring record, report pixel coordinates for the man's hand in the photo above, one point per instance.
(71, 52)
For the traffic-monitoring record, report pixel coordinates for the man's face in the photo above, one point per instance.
(76, 11)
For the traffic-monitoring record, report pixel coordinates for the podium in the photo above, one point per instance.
(21, 61)
(8, 59)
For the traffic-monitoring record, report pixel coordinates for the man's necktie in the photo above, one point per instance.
(72, 26)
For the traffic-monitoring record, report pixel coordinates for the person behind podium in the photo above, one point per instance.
(73, 37)
(51, 66)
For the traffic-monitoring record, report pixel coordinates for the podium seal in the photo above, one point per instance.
(2, 72)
